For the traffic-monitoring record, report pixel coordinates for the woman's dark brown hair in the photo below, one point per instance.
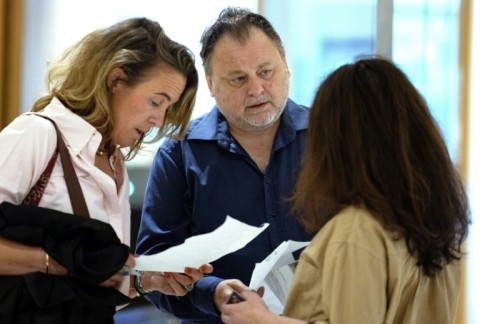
(372, 142)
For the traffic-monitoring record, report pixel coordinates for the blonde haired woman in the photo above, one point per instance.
(105, 94)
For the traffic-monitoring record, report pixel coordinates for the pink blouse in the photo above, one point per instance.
(26, 146)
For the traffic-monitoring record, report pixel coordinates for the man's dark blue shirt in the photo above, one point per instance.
(196, 182)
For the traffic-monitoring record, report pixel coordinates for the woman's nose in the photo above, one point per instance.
(157, 119)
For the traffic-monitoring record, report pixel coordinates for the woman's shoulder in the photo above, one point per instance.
(357, 227)
(354, 219)
(30, 125)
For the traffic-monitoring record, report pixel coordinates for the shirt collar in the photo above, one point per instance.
(213, 126)
(76, 131)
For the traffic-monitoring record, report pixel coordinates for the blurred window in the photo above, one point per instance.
(321, 35)
(425, 45)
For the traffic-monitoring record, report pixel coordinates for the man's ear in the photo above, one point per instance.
(287, 69)
(210, 85)
(114, 76)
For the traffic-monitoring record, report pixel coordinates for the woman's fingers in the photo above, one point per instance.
(130, 261)
(206, 268)
(178, 284)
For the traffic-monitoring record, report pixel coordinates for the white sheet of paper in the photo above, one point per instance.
(197, 250)
(275, 273)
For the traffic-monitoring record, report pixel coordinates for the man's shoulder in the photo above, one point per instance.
(294, 105)
(202, 127)
(297, 109)
(194, 123)
(298, 114)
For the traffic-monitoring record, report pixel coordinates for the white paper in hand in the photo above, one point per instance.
(275, 274)
(197, 250)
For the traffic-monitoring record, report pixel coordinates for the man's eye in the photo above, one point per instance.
(266, 73)
(238, 80)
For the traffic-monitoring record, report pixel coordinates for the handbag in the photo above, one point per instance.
(79, 206)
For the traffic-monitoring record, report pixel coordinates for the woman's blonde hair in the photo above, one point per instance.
(137, 45)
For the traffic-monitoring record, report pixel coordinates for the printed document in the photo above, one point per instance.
(197, 250)
(275, 273)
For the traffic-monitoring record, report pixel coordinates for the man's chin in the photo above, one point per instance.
(265, 121)
(260, 124)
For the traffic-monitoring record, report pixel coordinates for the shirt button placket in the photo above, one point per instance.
(268, 183)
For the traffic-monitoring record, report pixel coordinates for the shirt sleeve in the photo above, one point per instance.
(26, 146)
(165, 223)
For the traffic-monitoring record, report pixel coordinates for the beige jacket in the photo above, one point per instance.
(354, 271)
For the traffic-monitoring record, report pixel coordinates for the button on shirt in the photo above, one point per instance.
(26, 146)
(196, 182)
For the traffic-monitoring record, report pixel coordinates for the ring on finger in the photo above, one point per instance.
(125, 271)
(189, 288)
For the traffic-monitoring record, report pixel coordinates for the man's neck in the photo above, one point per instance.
(257, 143)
